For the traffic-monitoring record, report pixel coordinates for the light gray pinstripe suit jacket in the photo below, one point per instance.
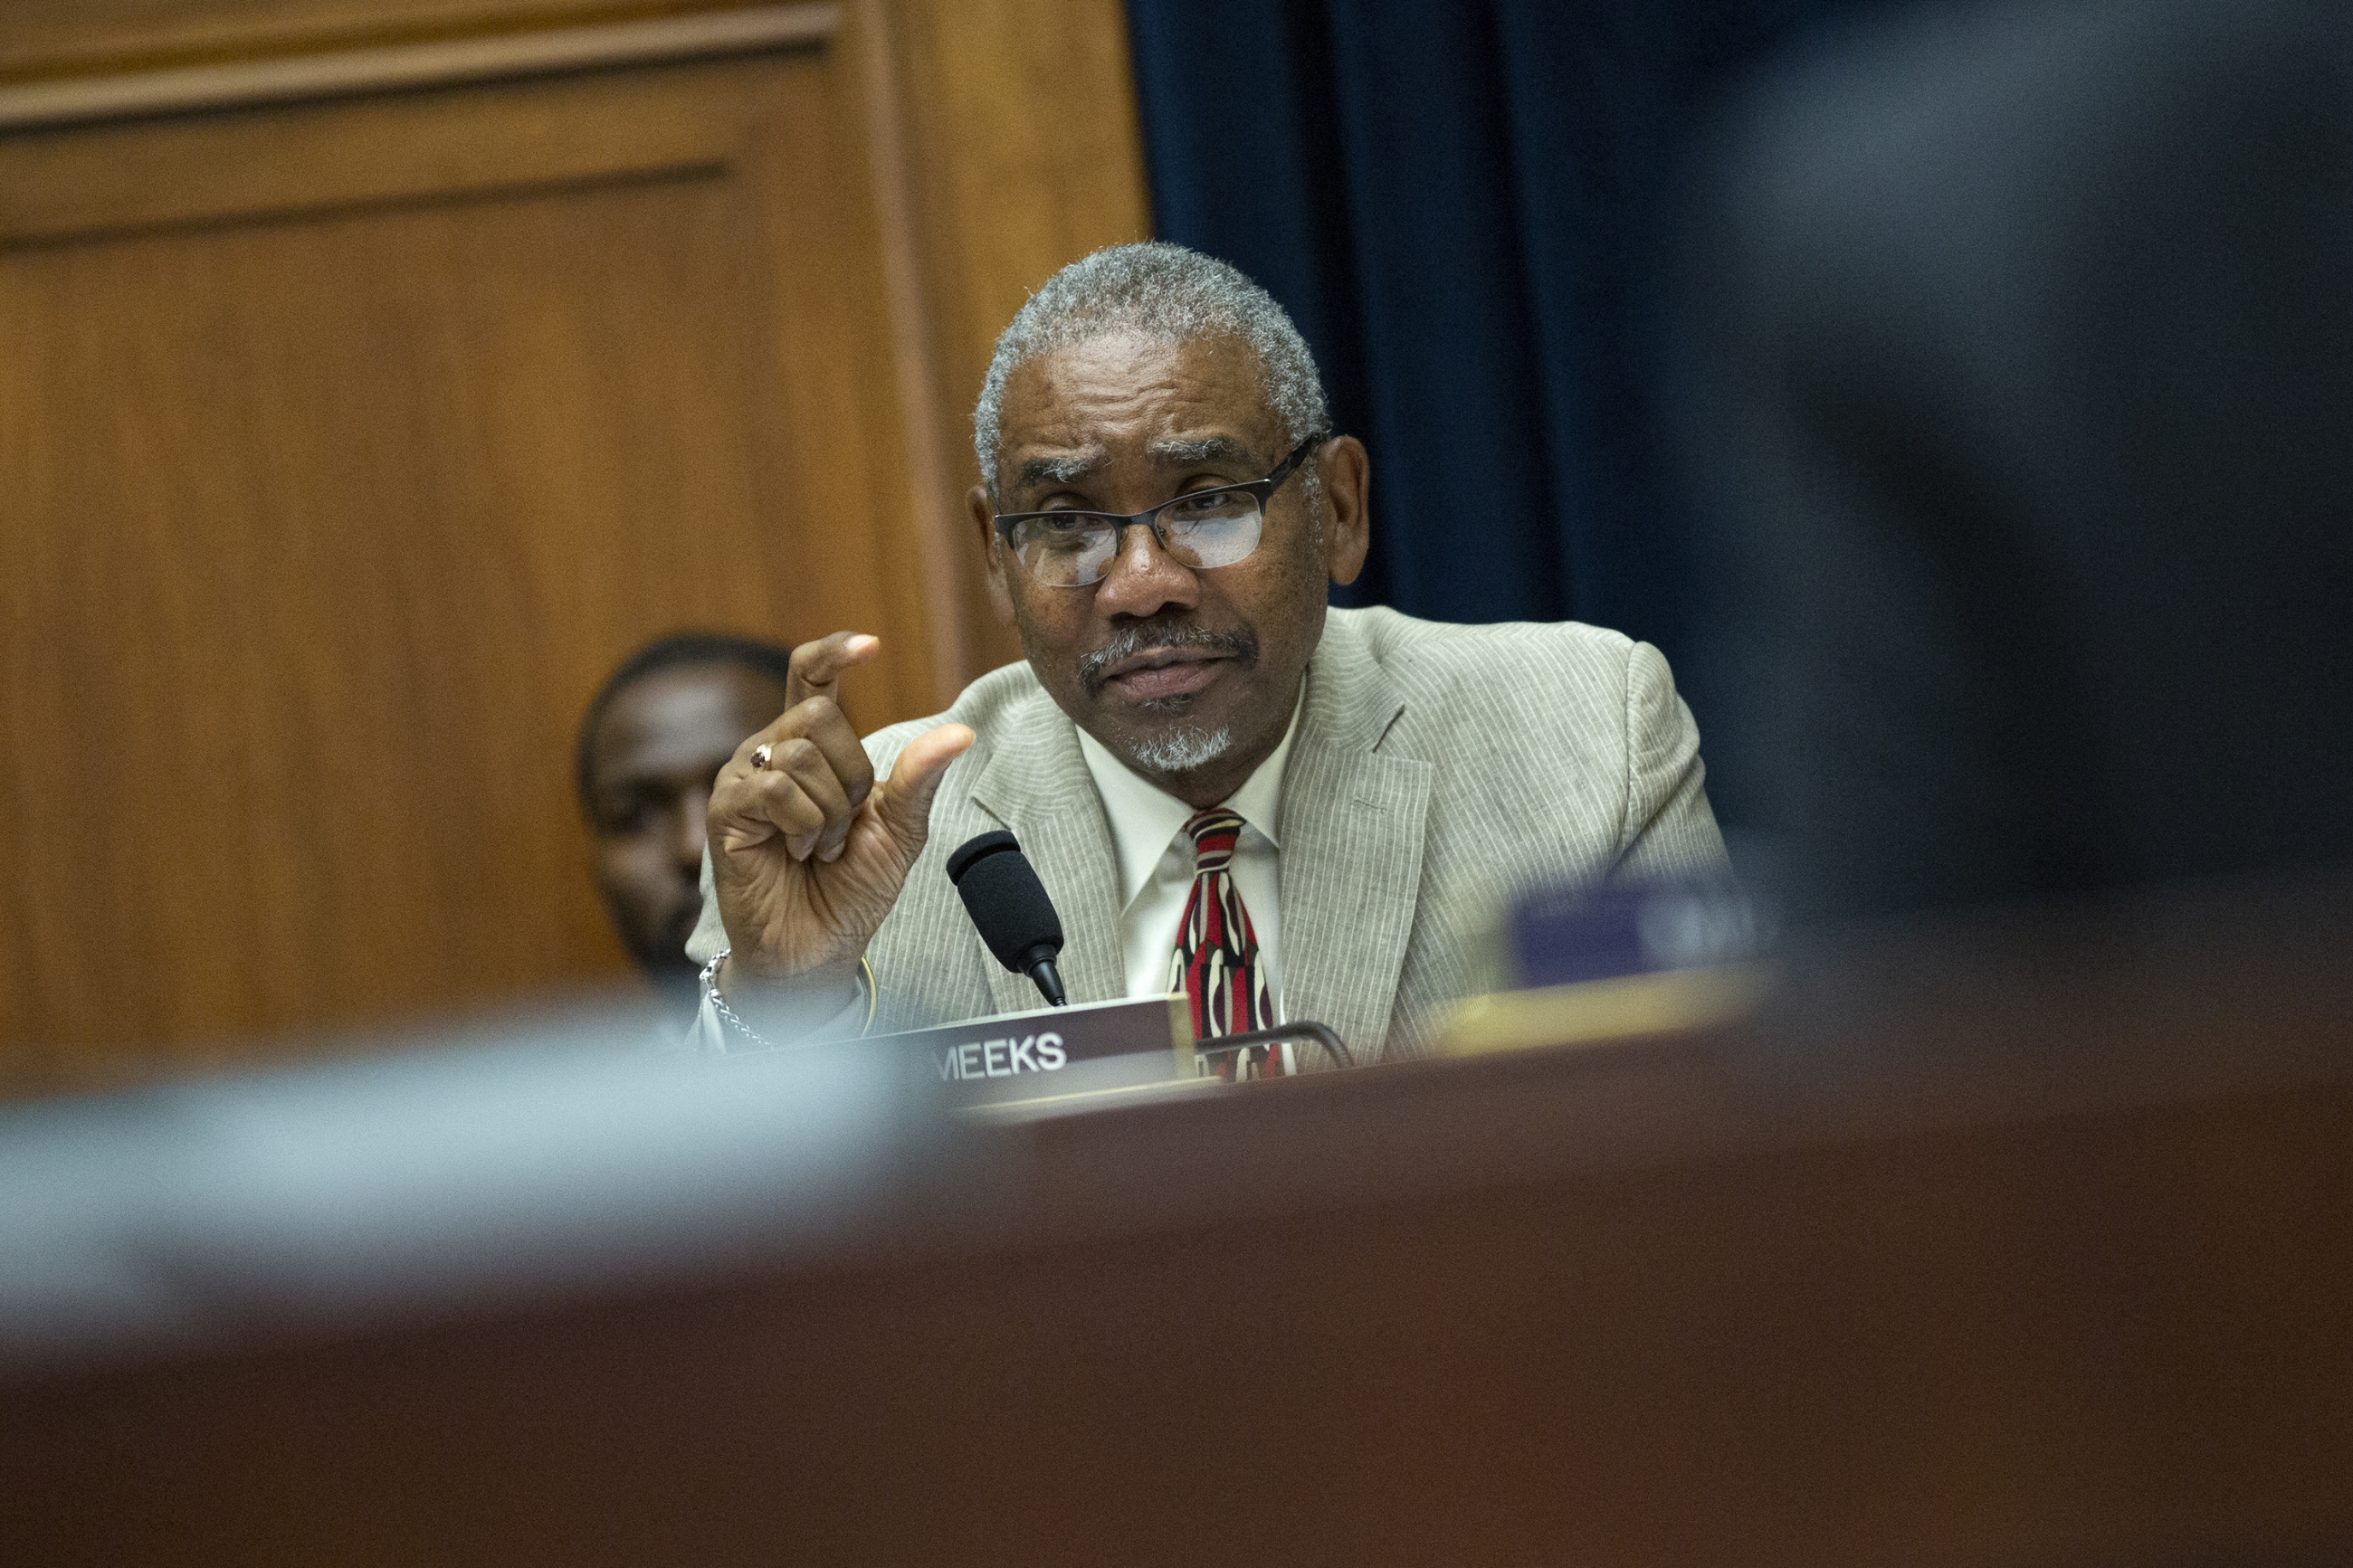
(1436, 769)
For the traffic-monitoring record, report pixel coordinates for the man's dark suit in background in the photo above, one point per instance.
(2027, 337)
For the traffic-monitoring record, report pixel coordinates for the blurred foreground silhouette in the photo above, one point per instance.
(2026, 350)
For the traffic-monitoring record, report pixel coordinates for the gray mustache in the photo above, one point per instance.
(1126, 644)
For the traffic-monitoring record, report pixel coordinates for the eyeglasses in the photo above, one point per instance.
(1199, 530)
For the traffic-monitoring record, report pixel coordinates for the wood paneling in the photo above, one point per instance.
(361, 406)
(438, 63)
(1025, 154)
(339, 478)
(49, 38)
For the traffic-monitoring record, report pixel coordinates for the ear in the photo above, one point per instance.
(983, 512)
(1347, 474)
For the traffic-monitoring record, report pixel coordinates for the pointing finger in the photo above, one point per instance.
(817, 666)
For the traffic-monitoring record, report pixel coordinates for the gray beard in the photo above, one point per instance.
(1181, 750)
(1181, 747)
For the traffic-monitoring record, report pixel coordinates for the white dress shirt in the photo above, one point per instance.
(1156, 864)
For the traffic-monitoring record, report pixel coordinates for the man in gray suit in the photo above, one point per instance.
(1281, 810)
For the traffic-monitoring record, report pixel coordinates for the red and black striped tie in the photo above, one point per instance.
(1216, 962)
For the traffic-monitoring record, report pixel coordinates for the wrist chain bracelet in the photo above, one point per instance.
(729, 1016)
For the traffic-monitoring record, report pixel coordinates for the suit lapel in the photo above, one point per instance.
(1351, 835)
(1037, 784)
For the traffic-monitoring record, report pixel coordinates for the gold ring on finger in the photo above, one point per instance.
(760, 754)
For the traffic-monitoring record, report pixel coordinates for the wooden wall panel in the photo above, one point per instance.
(349, 436)
(344, 477)
(1010, 184)
(47, 38)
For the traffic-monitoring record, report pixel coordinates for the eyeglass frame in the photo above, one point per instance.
(1260, 490)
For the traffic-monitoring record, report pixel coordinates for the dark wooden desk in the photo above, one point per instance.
(2030, 1245)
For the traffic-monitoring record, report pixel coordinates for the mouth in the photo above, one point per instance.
(1157, 674)
(1167, 663)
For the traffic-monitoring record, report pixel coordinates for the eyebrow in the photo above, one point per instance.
(1201, 449)
(1069, 468)
(1064, 470)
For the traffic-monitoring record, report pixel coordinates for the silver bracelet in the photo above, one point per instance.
(727, 1015)
(719, 1004)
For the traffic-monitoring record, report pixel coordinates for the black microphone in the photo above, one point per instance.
(1002, 896)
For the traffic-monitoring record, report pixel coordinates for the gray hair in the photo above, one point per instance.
(1167, 292)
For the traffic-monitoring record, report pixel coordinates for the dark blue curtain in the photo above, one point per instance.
(1466, 206)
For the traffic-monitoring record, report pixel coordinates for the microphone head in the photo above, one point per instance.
(977, 847)
(1002, 894)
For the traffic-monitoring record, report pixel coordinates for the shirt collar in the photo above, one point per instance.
(1144, 818)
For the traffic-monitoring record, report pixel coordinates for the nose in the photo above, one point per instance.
(1143, 579)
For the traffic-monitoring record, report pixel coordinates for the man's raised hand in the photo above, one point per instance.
(807, 851)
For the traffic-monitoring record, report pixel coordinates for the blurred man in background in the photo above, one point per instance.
(661, 727)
